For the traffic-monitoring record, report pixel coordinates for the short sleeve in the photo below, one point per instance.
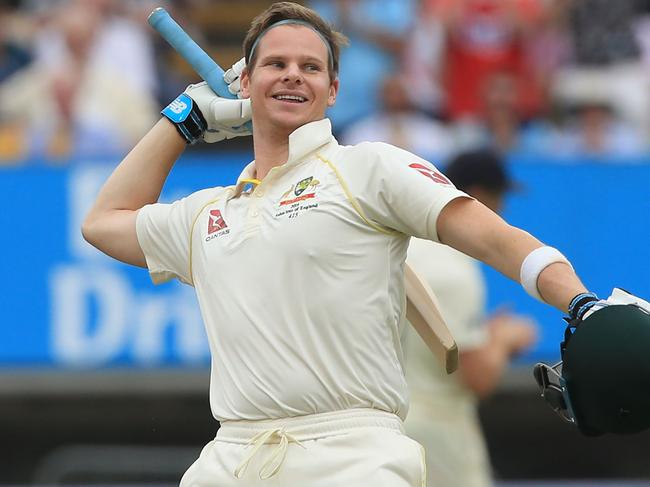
(398, 189)
(164, 233)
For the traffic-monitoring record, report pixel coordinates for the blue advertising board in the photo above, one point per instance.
(65, 305)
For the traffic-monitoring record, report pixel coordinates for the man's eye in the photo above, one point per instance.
(313, 67)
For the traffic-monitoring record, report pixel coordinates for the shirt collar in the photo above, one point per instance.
(302, 141)
(308, 138)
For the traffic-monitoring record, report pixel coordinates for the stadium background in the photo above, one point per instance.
(103, 377)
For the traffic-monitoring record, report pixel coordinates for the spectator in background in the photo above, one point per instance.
(122, 42)
(398, 123)
(547, 49)
(498, 119)
(80, 97)
(606, 60)
(443, 413)
(484, 37)
(423, 61)
(14, 56)
(596, 131)
(377, 30)
(501, 125)
(641, 28)
(588, 129)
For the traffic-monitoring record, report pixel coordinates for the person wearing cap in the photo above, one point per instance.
(443, 414)
(299, 267)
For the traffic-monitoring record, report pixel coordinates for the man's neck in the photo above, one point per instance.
(271, 148)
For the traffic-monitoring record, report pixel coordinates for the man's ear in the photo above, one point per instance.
(244, 84)
(334, 89)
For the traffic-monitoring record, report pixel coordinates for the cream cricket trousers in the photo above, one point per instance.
(351, 448)
(448, 428)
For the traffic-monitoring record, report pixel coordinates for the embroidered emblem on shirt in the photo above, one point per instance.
(290, 201)
(430, 172)
(216, 223)
(298, 189)
(301, 186)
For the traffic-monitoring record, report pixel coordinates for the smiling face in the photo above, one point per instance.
(288, 83)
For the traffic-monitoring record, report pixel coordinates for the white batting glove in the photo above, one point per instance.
(225, 118)
(618, 296)
(232, 77)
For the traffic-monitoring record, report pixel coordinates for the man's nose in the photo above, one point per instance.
(293, 74)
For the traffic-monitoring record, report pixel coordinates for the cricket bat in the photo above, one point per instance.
(423, 314)
(421, 306)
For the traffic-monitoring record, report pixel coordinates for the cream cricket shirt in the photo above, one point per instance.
(300, 279)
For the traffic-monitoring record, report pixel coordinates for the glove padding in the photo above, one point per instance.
(225, 118)
(232, 77)
(618, 296)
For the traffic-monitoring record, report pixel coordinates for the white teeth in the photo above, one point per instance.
(290, 97)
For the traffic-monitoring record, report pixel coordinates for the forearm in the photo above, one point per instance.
(139, 178)
(557, 283)
(503, 247)
(481, 369)
(110, 226)
(475, 230)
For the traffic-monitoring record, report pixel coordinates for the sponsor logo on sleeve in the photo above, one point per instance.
(430, 172)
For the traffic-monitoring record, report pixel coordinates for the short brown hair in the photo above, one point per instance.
(293, 11)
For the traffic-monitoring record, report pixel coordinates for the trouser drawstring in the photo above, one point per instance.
(275, 459)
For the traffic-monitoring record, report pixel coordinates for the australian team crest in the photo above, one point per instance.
(301, 186)
(298, 199)
(304, 189)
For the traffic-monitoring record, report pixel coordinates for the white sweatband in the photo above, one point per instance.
(533, 265)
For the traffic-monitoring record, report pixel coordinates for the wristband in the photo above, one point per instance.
(186, 117)
(533, 265)
(580, 304)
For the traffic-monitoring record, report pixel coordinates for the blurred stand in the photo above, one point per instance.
(484, 37)
(606, 65)
(90, 90)
(377, 30)
(15, 55)
(590, 130)
(595, 129)
(398, 122)
(422, 61)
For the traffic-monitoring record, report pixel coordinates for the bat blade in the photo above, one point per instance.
(423, 314)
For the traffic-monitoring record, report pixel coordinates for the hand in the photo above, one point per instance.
(516, 332)
(618, 296)
(232, 77)
(225, 118)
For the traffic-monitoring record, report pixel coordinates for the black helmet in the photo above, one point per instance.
(603, 383)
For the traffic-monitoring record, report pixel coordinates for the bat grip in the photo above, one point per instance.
(203, 64)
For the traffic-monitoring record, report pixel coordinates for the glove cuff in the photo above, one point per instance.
(186, 117)
(580, 304)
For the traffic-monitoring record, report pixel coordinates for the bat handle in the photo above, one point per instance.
(203, 64)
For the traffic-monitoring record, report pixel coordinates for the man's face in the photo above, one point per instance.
(289, 85)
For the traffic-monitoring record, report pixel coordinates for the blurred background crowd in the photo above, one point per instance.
(563, 80)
